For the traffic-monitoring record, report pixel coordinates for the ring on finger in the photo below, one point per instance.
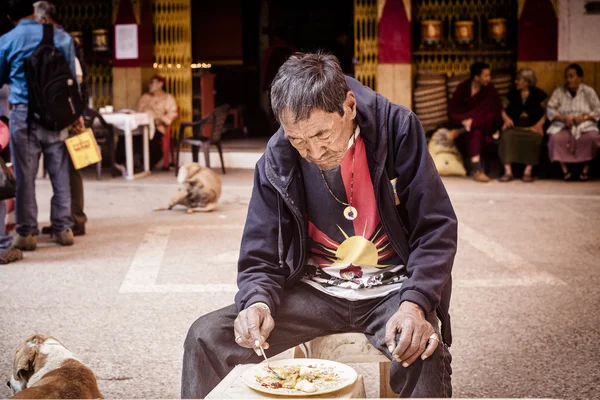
(238, 339)
(434, 336)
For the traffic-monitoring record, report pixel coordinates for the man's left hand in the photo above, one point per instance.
(76, 127)
(415, 333)
(80, 124)
(468, 124)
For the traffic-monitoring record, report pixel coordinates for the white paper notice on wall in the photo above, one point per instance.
(126, 42)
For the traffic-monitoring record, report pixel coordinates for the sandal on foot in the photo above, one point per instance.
(527, 178)
(583, 177)
(567, 176)
(506, 178)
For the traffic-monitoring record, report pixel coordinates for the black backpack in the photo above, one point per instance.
(54, 98)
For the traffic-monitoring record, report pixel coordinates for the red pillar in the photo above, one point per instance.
(538, 32)
(394, 70)
(537, 46)
(131, 75)
(394, 34)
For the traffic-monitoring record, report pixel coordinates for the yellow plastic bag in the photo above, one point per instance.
(83, 149)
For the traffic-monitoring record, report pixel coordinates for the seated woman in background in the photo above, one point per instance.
(574, 110)
(163, 107)
(523, 127)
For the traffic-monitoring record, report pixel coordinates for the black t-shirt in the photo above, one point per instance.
(349, 259)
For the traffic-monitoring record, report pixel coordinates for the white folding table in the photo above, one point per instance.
(128, 123)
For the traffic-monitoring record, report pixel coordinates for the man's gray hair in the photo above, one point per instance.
(307, 82)
(45, 12)
(528, 75)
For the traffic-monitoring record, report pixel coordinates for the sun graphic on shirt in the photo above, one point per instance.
(358, 250)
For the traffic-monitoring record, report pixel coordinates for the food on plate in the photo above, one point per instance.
(305, 386)
(305, 379)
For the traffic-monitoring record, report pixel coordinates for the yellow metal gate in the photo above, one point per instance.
(366, 42)
(173, 50)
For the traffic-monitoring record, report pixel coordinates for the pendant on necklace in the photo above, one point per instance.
(350, 213)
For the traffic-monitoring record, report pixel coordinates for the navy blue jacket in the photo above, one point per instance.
(422, 229)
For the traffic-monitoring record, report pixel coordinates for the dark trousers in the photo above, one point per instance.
(76, 183)
(473, 141)
(210, 351)
(476, 143)
(26, 148)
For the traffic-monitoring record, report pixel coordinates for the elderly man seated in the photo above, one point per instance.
(349, 229)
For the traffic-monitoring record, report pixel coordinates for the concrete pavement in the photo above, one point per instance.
(524, 306)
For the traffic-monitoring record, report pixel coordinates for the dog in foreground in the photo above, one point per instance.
(199, 189)
(45, 369)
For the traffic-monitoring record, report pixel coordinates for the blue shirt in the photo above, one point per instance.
(17, 45)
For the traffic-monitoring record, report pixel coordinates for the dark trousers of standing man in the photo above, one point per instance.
(76, 183)
(77, 213)
(210, 350)
(27, 146)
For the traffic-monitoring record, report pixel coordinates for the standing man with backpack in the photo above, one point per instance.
(45, 13)
(38, 62)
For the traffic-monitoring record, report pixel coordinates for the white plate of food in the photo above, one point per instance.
(302, 377)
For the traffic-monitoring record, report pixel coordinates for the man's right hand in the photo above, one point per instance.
(253, 325)
(468, 123)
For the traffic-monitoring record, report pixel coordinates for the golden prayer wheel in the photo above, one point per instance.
(431, 31)
(100, 40)
(77, 37)
(463, 32)
(497, 29)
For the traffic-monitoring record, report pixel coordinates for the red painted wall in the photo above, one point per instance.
(217, 30)
(394, 34)
(538, 32)
(126, 15)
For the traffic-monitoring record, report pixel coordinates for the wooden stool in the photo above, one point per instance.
(349, 348)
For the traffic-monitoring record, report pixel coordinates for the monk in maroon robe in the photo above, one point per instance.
(476, 106)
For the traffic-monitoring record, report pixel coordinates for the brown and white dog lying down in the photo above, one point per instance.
(199, 189)
(45, 369)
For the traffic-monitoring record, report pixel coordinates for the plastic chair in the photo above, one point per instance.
(198, 140)
(105, 136)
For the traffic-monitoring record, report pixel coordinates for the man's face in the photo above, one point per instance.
(154, 86)
(322, 138)
(485, 77)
